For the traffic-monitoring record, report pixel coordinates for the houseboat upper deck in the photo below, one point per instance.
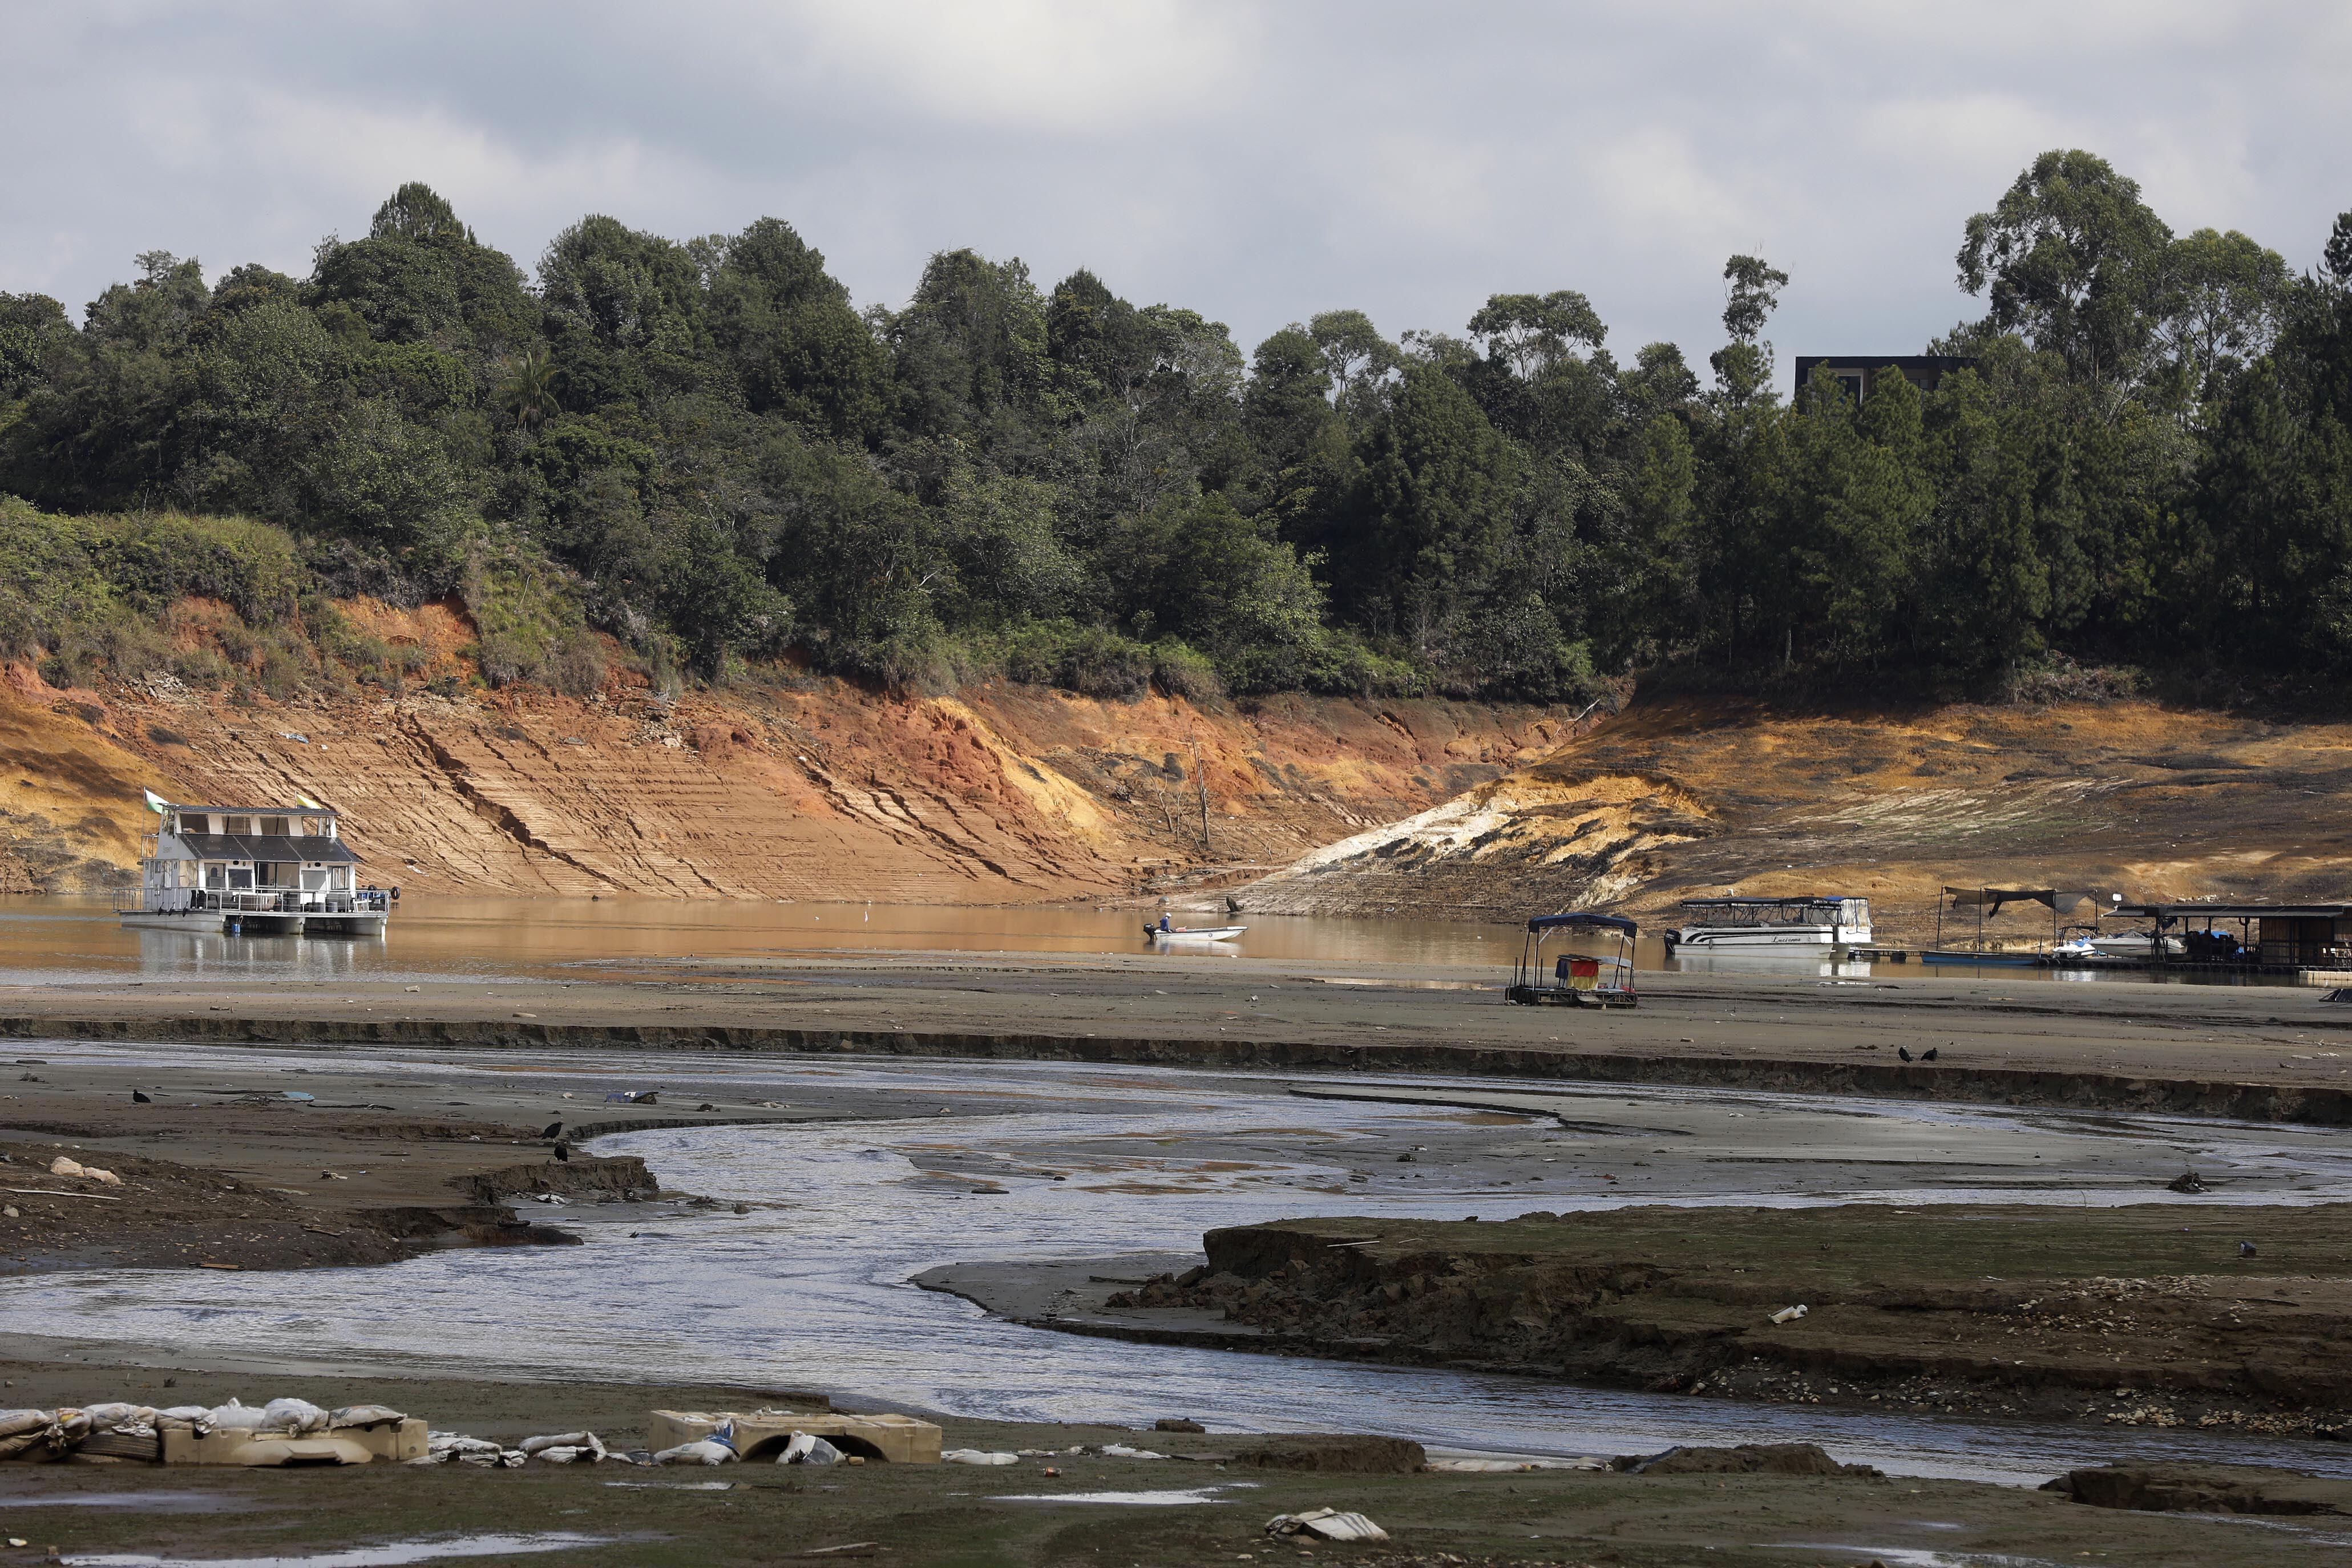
(274, 869)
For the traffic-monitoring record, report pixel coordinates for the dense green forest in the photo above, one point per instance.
(704, 450)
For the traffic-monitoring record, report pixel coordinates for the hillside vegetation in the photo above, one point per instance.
(698, 457)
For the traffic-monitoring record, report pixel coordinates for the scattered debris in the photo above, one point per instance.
(1510, 1467)
(1325, 1523)
(2187, 1182)
(977, 1457)
(807, 1449)
(1789, 1314)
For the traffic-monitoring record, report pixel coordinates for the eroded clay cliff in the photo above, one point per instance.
(799, 788)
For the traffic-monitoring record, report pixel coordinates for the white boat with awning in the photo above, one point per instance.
(1811, 920)
(273, 870)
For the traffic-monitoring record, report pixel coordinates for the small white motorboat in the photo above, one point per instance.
(1193, 934)
(2132, 944)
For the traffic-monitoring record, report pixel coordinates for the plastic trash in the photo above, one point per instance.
(230, 1417)
(65, 1166)
(1789, 1314)
(299, 1416)
(1327, 1523)
(977, 1457)
(807, 1449)
(1121, 1451)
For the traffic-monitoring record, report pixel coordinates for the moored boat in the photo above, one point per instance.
(1193, 934)
(1812, 920)
(276, 870)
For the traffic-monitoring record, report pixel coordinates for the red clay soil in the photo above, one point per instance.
(800, 789)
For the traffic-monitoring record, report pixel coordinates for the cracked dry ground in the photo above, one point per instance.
(2146, 1315)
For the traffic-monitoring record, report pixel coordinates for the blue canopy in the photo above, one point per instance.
(1602, 922)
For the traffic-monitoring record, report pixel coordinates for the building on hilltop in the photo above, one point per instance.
(1858, 372)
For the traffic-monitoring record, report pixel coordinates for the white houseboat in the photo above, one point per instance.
(277, 870)
(1814, 921)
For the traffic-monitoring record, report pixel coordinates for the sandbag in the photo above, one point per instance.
(299, 1416)
(807, 1449)
(106, 1417)
(705, 1451)
(366, 1415)
(13, 1422)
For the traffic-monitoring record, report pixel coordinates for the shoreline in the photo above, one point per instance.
(2230, 1098)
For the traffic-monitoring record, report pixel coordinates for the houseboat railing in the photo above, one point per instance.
(262, 901)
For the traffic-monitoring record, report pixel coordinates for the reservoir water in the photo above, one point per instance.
(63, 940)
(808, 1288)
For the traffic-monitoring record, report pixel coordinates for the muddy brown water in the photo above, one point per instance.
(66, 939)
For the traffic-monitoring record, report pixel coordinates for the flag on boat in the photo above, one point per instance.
(156, 803)
(307, 804)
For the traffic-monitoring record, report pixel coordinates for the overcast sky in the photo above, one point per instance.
(1258, 163)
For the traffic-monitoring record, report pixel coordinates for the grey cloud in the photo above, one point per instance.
(1256, 162)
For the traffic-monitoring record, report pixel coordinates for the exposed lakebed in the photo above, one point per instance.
(809, 1287)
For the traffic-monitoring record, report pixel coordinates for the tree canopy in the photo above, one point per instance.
(703, 448)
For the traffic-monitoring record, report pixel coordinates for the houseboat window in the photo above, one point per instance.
(242, 826)
(273, 826)
(215, 877)
(314, 879)
(240, 878)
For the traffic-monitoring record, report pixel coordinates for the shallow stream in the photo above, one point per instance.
(808, 1288)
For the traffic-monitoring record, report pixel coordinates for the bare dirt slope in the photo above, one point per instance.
(805, 789)
(1676, 799)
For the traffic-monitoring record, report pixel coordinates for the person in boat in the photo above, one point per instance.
(1164, 924)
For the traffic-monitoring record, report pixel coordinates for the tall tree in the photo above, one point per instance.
(2074, 259)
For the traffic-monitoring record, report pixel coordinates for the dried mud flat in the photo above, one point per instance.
(2146, 1315)
(221, 1175)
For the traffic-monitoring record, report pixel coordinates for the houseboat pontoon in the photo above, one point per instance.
(278, 870)
(1814, 921)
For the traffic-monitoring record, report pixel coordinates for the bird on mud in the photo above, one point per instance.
(139, 1099)
(1928, 1055)
(563, 1152)
(554, 1129)
(1903, 1052)
(2245, 1249)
